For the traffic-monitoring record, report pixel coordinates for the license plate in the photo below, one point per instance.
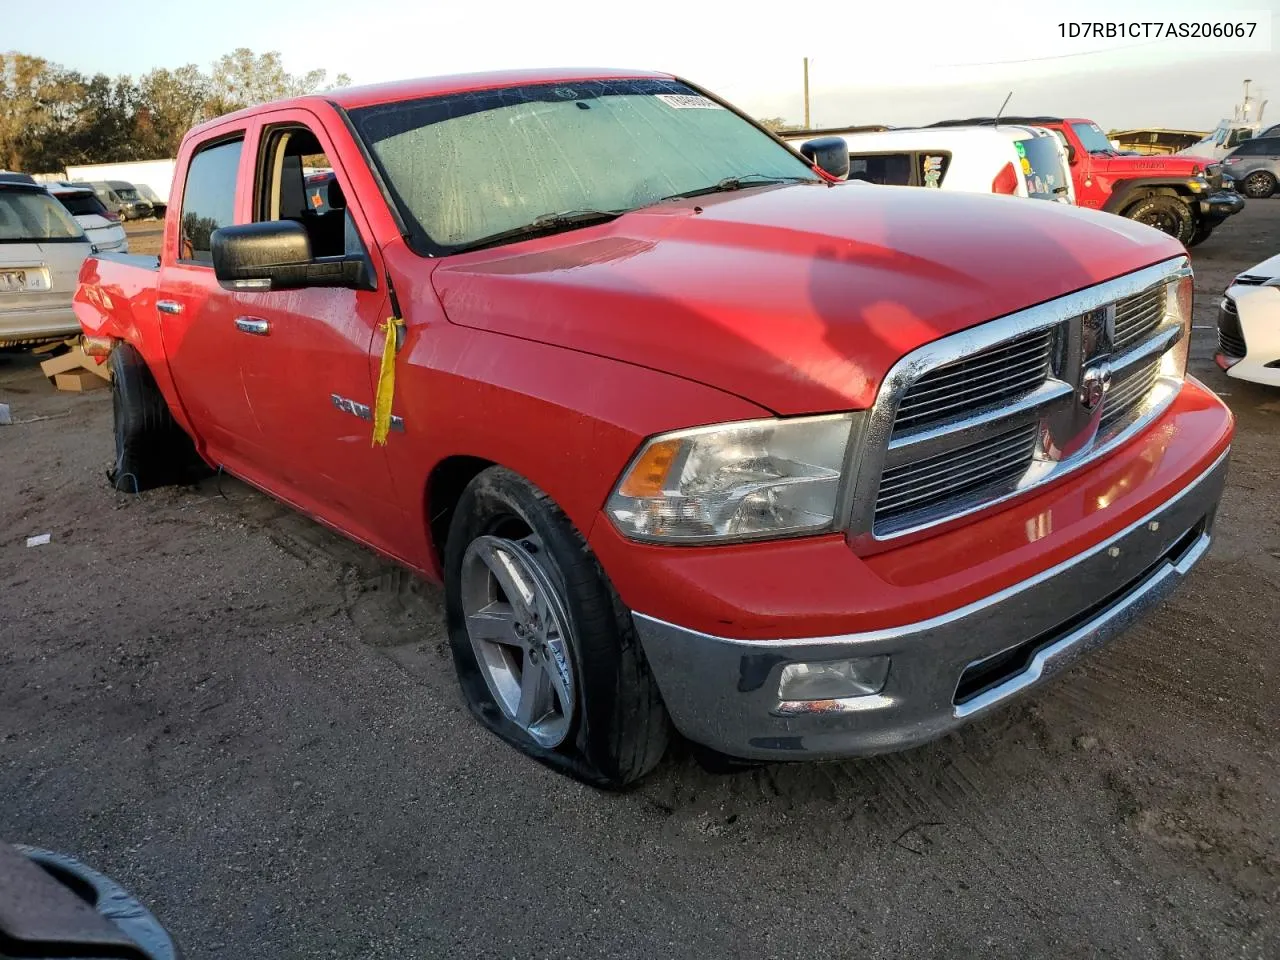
(13, 281)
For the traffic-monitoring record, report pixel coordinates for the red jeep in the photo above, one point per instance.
(1182, 196)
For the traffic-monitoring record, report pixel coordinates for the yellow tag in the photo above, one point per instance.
(386, 384)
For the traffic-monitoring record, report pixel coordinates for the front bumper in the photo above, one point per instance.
(1249, 334)
(943, 671)
(1216, 207)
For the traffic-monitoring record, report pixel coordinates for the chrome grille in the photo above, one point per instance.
(987, 413)
(1138, 315)
(1127, 394)
(995, 376)
(927, 484)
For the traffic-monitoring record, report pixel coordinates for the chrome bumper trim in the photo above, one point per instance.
(722, 692)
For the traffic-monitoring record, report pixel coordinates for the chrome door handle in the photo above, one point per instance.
(169, 306)
(255, 325)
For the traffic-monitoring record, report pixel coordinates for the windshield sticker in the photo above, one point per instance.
(1026, 165)
(932, 171)
(1022, 151)
(680, 101)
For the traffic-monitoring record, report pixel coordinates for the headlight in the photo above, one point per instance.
(1180, 296)
(1197, 184)
(739, 481)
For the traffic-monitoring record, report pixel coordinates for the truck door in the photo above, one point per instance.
(309, 358)
(196, 315)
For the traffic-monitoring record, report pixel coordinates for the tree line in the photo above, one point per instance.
(52, 116)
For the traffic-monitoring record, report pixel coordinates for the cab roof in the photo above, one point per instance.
(915, 138)
(352, 98)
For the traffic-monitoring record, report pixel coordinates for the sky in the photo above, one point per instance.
(897, 63)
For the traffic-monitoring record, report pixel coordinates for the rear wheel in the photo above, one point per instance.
(546, 654)
(151, 449)
(1167, 214)
(1259, 185)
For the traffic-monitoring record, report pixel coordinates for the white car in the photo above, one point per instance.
(102, 227)
(1010, 159)
(1249, 325)
(41, 251)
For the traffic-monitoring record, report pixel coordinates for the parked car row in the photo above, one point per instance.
(1068, 160)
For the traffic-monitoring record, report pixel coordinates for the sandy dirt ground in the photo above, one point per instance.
(254, 725)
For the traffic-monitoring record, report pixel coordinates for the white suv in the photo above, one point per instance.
(102, 227)
(1011, 159)
(41, 251)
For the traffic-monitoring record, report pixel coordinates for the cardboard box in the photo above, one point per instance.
(74, 359)
(71, 360)
(78, 381)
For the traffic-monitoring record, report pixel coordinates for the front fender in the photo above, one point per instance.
(1125, 193)
(569, 422)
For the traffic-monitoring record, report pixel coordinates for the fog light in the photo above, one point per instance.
(834, 680)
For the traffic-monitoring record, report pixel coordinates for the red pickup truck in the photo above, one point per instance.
(1181, 196)
(696, 436)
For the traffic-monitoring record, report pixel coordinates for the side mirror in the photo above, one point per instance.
(1071, 154)
(828, 154)
(276, 255)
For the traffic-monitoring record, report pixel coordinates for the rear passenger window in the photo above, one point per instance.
(890, 169)
(209, 199)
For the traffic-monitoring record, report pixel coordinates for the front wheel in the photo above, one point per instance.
(1200, 234)
(1259, 185)
(1167, 214)
(546, 654)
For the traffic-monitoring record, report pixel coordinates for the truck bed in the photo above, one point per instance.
(143, 261)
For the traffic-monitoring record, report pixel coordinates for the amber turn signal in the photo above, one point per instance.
(648, 475)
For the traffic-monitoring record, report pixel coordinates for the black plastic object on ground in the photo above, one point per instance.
(53, 906)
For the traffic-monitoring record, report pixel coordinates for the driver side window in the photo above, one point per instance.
(296, 182)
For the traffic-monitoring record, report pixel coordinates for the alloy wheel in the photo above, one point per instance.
(519, 629)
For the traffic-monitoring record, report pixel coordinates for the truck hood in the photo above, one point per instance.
(1166, 165)
(799, 298)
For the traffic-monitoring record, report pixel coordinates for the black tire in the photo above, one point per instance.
(1200, 234)
(151, 450)
(620, 729)
(1167, 214)
(1259, 185)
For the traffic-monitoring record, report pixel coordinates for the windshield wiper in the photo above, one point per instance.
(737, 183)
(544, 225)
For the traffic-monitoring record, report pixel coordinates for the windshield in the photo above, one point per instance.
(1043, 168)
(1092, 138)
(126, 193)
(470, 166)
(28, 216)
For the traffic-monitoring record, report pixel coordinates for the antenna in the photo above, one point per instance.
(996, 122)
